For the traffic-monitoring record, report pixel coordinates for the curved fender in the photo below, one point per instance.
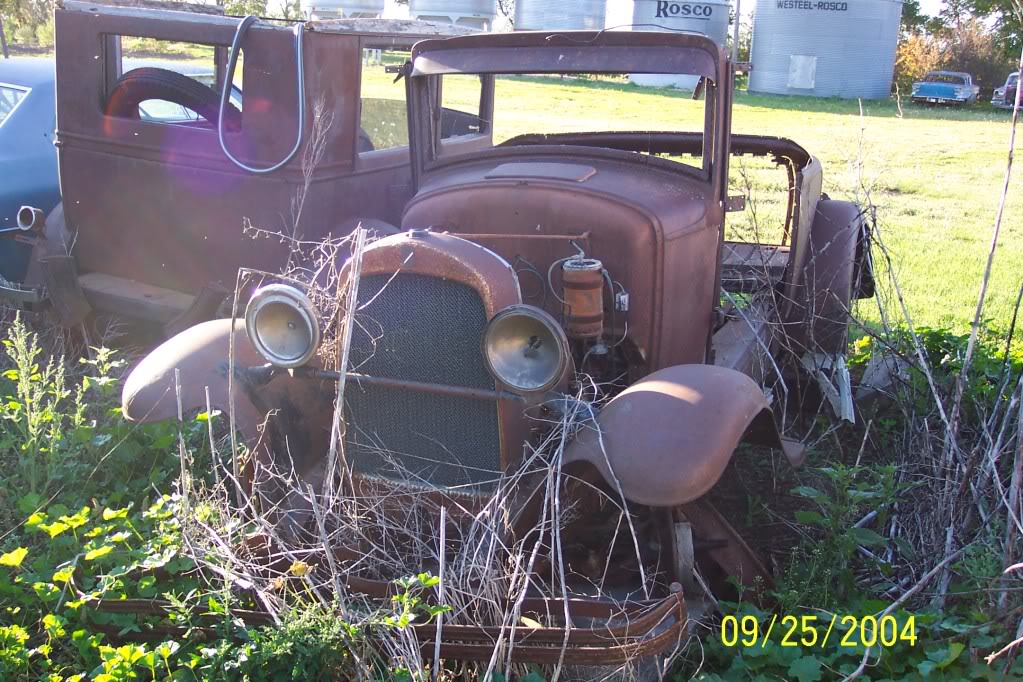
(200, 354)
(819, 316)
(668, 437)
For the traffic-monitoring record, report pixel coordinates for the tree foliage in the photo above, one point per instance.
(1008, 24)
(917, 54)
(960, 38)
(913, 19)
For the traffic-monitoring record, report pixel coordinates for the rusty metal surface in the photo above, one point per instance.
(783, 150)
(182, 228)
(582, 284)
(657, 227)
(733, 555)
(302, 408)
(417, 386)
(458, 260)
(640, 629)
(822, 294)
(667, 438)
(571, 52)
(630, 213)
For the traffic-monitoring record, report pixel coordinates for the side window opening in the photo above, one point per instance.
(461, 106)
(765, 187)
(173, 83)
(383, 121)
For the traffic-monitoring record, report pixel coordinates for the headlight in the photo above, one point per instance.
(282, 324)
(525, 349)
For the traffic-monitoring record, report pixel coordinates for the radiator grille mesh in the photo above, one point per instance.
(428, 329)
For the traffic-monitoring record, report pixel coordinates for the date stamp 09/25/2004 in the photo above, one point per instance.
(811, 630)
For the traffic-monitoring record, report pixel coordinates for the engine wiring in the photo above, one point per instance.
(530, 268)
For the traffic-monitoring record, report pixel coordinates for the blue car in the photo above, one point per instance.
(28, 160)
(945, 87)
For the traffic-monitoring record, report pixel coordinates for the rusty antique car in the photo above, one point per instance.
(151, 226)
(528, 260)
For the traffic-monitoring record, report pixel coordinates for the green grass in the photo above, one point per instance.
(935, 176)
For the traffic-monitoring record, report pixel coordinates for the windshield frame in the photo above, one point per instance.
(568, 52)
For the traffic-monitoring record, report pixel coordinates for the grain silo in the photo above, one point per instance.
(709, 17)
(586, 15)
(478, 14)
(825, 48)
(342, 9)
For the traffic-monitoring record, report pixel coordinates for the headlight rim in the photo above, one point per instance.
(557, 333)
(295, 298)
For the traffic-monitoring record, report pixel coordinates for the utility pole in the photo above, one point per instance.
(735, 35)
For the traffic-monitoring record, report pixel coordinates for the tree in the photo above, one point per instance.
(917, 54)
(957, 40)
(1008, 20)
(975, 49)
(244, 7)
(913, 20)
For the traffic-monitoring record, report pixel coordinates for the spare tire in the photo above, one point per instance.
(148, 83)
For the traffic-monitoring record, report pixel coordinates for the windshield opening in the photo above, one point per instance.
(538, 108)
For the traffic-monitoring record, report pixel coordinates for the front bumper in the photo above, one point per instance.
(610, 634)
(923, 99)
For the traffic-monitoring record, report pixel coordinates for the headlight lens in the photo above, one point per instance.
(282, 325)
(525, 349)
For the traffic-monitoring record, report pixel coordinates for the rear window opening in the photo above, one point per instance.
(173, 83)
(950, 78)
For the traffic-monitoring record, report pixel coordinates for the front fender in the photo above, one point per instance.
(818, 319)
(668, 438)
(301, 408)
(200, 355)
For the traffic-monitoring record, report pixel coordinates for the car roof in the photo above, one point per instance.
(27, 71)
(948, 73)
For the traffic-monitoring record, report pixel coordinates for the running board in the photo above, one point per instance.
(129, 298)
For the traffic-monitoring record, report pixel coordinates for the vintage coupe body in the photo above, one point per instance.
(152, 225)
(945, 87)
(533, 267)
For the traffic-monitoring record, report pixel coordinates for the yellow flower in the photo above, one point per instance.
(299, 569)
